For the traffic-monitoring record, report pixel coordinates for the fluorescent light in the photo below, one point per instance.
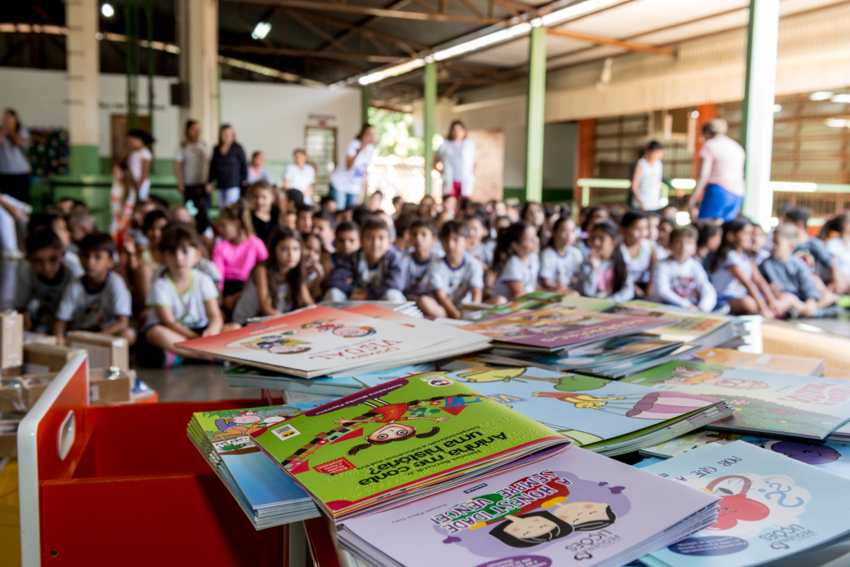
(843, 98)
(695, 114)
(777, 108)
(837, 122)
(261, 30)
(576, 10)
(792, 187)
(683, 183)
(107, 10)
(820, 95)
(683, 218)
(391, 72)
(483, 41)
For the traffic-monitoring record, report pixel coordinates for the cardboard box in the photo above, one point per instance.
(9, 434)
(30, 338)
(11, 395)
(105, 351)
(109, 387)
(11, 343)
(41, 359)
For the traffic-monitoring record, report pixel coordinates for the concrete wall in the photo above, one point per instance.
(559, 148)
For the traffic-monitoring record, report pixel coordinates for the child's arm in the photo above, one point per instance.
(304, 298)
(146, 171)
(166, 319)
(707, 293)
(315, 286)
(477, 294)
(752, 290)
(653, 261)
(764, 287)
(446, 303)
(625, 293)
(264, 300)
(586, 282)
(121, 323)
(218, 261)
(394, 278)
(214, 316)
(344, 275)
(64, 314)
(517, 289)
(59, 328)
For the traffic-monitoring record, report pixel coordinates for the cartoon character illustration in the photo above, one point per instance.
(340, 330)
(486, 374)
(654, 405)
(279, 343)
(585, 516)
(243, 424)
(734, 504)
(806, 452)
(686, 376)
(531, 529)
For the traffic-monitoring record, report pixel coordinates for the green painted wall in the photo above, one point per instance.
(549, 195)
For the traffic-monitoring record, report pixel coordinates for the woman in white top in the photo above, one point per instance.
(459, 157)
(719, 192)
(647, 179)
(139, 161)
(348, 181)
(300, 175)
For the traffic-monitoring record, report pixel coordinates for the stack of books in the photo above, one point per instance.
(408, 308)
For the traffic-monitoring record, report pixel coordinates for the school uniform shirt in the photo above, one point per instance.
(560, 269)
(815, 255)
(457, 283)
(515, 270)
(93, 310)
(599, 282)
(661, 252)
(204, 266)
(248, 305)
(684, 284)
(639, 265)
(236, 261)
(195, 159)
(40, 297)
(416, 273)
(792, 276)
(840, 252)
(355, 272)
(298, 178)
(725, 284)
(484, 252)
(187, 308)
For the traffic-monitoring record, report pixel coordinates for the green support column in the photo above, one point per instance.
(536, 115)
(365, 103)
(83, 69)
(757, 117)
(430, 104)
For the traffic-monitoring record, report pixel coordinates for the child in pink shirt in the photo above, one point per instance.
(238, 251)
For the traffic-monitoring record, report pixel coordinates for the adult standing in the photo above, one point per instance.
(647, 178)
(257, 169)
(348, 181)
(719, 192)
(14, 160)
(459, 157)
(300, 175)
(228, 167)
(191, 168)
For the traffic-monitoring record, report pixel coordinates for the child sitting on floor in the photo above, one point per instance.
(604, 273)
(680, 279)
(516, 262)
(560, 260)
(183, 302)
(324, 224)
(264, 217)
(238, 251)
(454, 279)
(416, 261)
(99, 301)
(373, 272)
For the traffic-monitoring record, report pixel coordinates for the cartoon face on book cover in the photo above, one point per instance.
(396, 434)
(771, 506)
(794, 405)
(552, 328)
(583, 408)
(313, 339)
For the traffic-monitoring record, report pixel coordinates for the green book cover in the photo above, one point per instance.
(399, 438)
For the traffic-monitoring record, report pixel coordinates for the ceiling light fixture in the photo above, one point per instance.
(820, 95)
(391, 72)
(842, 98)
(483, 41)
(777, 108)
(261, 30)
(837, 122)
(107, 10)
(576, 10)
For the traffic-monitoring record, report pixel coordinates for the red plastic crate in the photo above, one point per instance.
(132, 490)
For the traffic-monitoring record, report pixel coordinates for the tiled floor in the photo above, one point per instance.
(194, 382)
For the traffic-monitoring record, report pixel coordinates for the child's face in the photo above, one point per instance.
(454, 246)
(322, 229)
(375, 201)
(422, 240)
(664, 230)
(181, 214)
(258, 161)
(300, 159)
(304, 222)
(598, 216)
(262, 201)
(181, 260)
(713, 242)
(652, 229)
(575, 513)
(528, 244)
(450, 203)
(329, 206)
(347, 242)
(291, 221)
(477, 232)
(759, 238)
(312, 252)
(288, 253)
(60, 227)
(46, 262)
(566, 234)
(96, 263)
(154, 233)
(142, 211)
(683, 248)
(534, 216)
(65, 206)
(134, 143)
(601, 243)
(376, 243)
(228, 229)
(783, 248)
(635, 232)
(500, 209)
(744, 238)
(503, 222)
(531, 527)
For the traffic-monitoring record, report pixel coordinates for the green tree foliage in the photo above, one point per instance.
(395, 136)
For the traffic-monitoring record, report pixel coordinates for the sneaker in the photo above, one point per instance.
(829, 312)
(792, 314)
(172, 360)
(843, 301)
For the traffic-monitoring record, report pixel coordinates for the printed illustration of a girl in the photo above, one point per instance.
(345, 331)
(654, 405)
(531, 529)
(585, 516)
(686, 376)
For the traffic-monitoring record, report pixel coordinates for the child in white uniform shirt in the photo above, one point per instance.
(455, 279)
(680, 279)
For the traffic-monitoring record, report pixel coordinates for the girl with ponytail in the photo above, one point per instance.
(604, 273)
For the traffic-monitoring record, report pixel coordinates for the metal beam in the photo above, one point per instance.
(382, 12)
(630, 45)
(409, 47)
(307, 54)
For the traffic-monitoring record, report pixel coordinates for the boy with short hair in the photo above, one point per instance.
(791, 280)
(680, 279)
(402, 232)
(41, 280)
(454, 279)
(99, 301)
(304, 220)
(346, 242)
(80, 224)
(183, 302)
(813, 251)
(416, 262)
(373, 272)
(324, 224)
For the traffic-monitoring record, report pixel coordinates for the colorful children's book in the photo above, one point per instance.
(765, 362)
(832, 457)
(573, 508)
(266, 494)
(607, 417)
(687, 327)
(399, 441)
(765, 402)
(554, 328)
(771, 507)
(541, 300)
(319, 341)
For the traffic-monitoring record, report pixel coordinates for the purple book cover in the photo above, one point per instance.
(557, 328)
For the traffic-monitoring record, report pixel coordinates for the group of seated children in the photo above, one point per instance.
(271, 254)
